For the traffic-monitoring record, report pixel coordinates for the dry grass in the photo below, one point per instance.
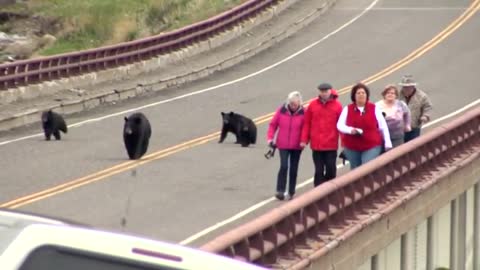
(92, 23)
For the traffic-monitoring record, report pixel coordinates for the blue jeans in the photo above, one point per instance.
(357, 158)
(412, 134)
(285, 156)
(397, 141)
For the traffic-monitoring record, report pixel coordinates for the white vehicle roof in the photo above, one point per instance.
(30, 241)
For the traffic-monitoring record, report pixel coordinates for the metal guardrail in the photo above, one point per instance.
(308, 227)
(71, 64)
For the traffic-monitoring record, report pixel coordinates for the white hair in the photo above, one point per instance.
(294, 96)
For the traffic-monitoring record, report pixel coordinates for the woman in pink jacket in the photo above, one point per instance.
(287, 124)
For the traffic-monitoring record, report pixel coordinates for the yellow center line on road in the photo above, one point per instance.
(125, 166)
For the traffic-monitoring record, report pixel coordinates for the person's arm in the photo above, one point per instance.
(339, 109)
(272, 127)
(307, 123)
(426, 109)
(342, 122)
(382, 125)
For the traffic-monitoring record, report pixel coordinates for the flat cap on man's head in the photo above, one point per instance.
(324, 86)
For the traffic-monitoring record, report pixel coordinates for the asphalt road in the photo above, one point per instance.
(175, 196)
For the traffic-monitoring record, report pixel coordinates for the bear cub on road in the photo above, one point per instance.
(136, 135)
(53, 123)
(243, 127)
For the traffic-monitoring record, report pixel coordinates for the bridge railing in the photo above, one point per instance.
(71, 64)
(314, 223)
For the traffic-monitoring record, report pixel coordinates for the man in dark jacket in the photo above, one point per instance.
(320, 129)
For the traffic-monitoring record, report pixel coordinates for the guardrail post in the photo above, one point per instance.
(458, 232)
(374, 263)
(430, 243)
(404, 249)
(453, 233)
(476, 229)
(462, 231)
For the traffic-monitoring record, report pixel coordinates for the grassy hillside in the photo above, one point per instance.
(92, 23)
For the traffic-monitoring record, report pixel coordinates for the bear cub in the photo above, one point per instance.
(53, 123)
(243, 127)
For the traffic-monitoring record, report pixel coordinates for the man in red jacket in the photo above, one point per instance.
(320, 129)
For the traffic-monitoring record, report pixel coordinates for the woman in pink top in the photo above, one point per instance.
(287, 124)
(397, 114)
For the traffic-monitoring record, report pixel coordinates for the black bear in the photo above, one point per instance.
(136, 135)
(53, 123)
(243, 127)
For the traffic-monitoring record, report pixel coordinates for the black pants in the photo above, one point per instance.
(412, 134)
(325, 166)
(285, 156)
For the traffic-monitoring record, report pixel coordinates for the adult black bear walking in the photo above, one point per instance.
(136, 135)
(243, 127)
(53, 123)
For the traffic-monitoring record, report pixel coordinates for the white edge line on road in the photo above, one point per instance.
(304, 183)
(209, 88)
